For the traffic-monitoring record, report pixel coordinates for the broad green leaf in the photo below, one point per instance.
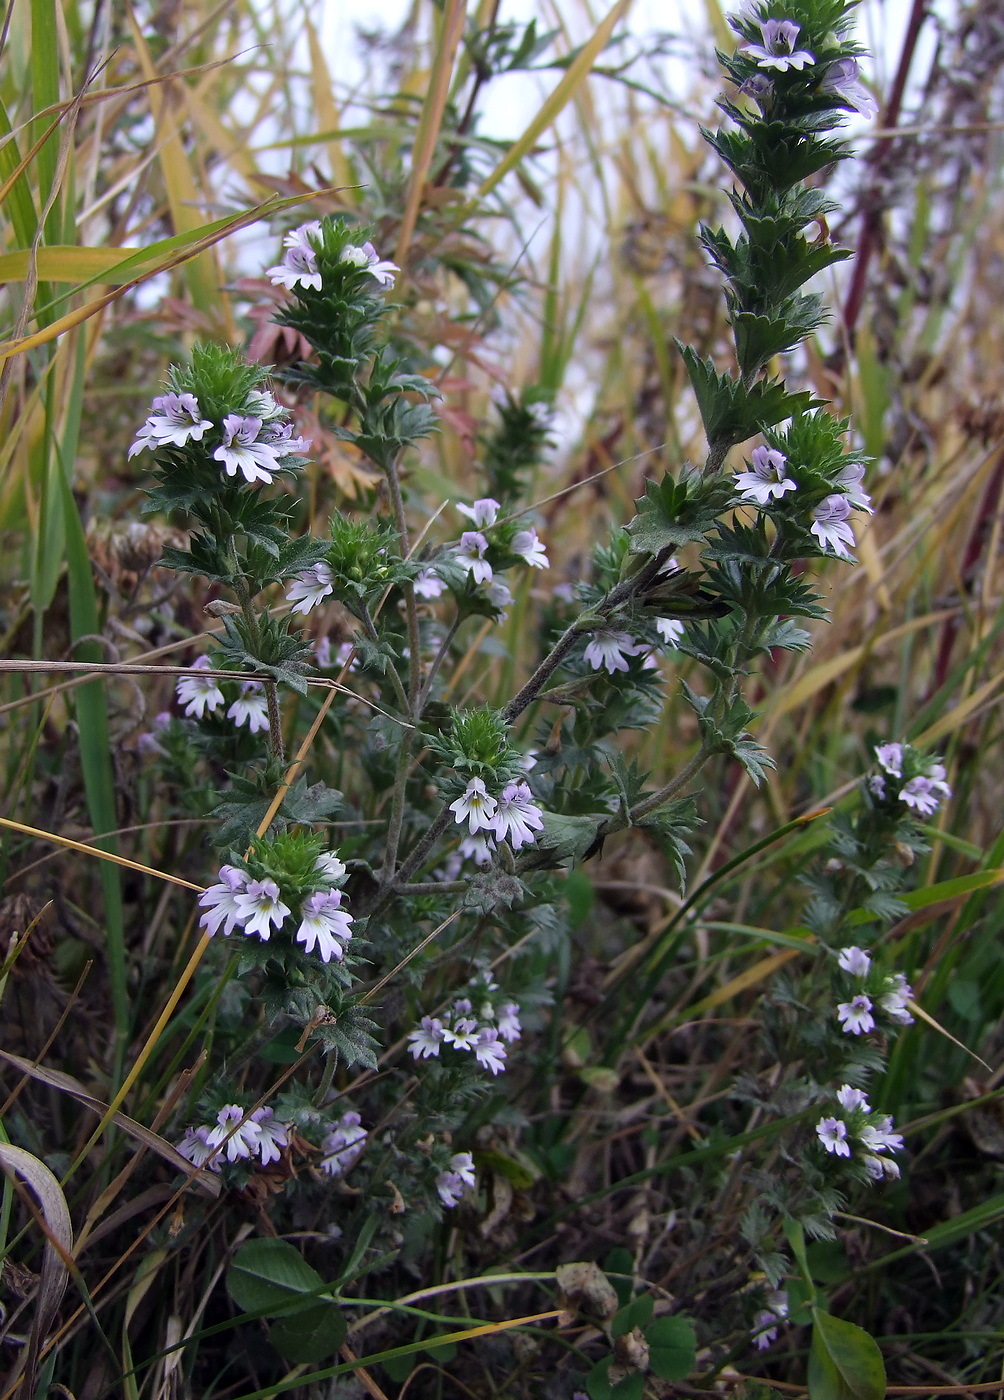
(635, 1314)
(672, 1347)
(512, 1168)
(268, 1276)
(310, 1334)
(399, 1368)
(620, 1261)
(844, 1361)
(598, 1385)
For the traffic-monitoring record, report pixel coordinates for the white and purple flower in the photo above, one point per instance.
(324, 924)
(895, 1001)
(471, 555)
(425, 1040)
(855, 961)
(767, 481)
(490, 1053)
(343, 1145)
(476, 806)
(245, 450)
(261, 908)
(479, 848)
(610, 649)
(526, 544)
(843, 80)
(200, 693)
(510, 1028)
(778, 48)
(850, 480)
(299, 262)
(451, 1183)
(241, 1135)
(250, 707)
(272, 1135)
(850, 1099)
(671, 630)
(310, 587)
(832, 1133)
(175, 419)
(856, 1015)
(428, 584)
(220, 902)
(925, 793)
(195, 1146)
(765, 1322)
(830, 525)
(517, 817)
(483, 512)
(368, 260)
(890, 756)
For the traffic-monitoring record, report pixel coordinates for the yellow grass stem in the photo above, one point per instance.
(431, 120)
(84, 849)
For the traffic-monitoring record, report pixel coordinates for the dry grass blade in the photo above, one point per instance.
(84, 849)
(431, 119)
(56, 1079)
(55, 1220)
(195, 245)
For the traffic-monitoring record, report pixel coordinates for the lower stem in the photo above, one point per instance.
(271, 690)
(411, 608)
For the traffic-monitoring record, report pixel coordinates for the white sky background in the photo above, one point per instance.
(511, 100)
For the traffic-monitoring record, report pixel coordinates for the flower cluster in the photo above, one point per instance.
(471, 555)
(452, 1182)
(299, 262)
(242, 1136)
(769, 480)
(889, 994)
(343, 1144)
(859, 1125)
(511, 816)
(257, 441)
(463, 1029)
(256, 907)
(919, 782)
(201, 695)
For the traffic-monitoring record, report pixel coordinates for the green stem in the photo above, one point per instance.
(396, 812)
(674, 785)
(411, 608)
(271, 695)
(395, 679)
(437, 661)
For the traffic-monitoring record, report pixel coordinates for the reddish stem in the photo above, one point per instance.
(872, 222)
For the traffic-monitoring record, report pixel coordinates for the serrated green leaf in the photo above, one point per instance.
(570, 837)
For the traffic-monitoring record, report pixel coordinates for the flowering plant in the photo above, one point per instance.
(460, 823)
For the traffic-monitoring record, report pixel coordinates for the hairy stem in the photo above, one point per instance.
(674, 785)
(437, 661)
(271, 690)
(411, 608)
(395, 679)
(396, 812)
